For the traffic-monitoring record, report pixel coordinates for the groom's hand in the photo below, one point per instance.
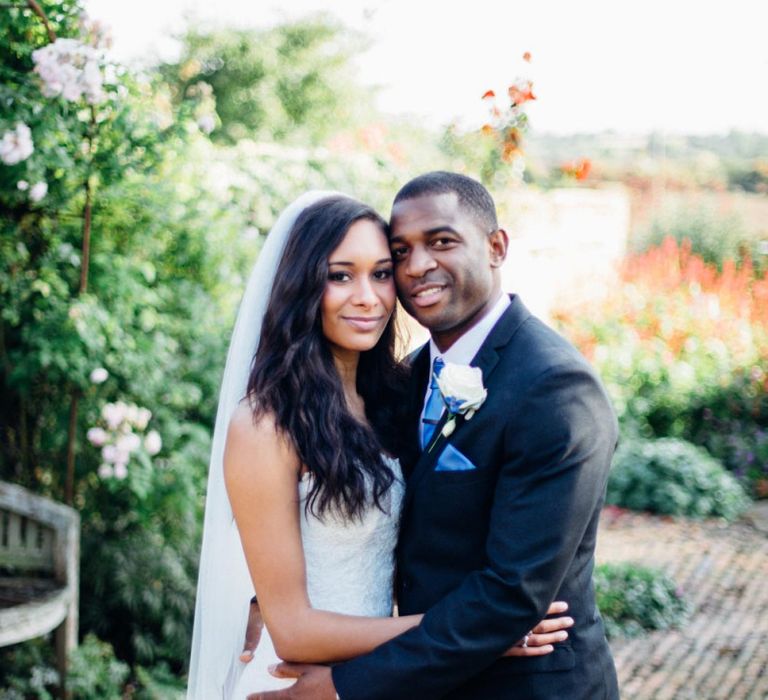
(252, 631)
(314, 683)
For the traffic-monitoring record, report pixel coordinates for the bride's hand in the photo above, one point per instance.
(541, 639)
(252, 631)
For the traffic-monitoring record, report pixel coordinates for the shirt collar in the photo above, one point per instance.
(468, 345)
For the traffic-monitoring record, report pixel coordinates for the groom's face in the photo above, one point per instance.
(445, 264)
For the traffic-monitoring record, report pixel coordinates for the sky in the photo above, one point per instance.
(674, 66)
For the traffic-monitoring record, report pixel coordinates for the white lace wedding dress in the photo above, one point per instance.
(350, 569)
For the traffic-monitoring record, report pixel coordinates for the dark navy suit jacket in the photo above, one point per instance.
(484, 551)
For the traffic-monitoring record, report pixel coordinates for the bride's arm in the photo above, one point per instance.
(261, 470)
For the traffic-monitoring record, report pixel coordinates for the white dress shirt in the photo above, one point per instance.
(468, 345)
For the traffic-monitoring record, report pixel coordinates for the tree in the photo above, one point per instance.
(291, 83)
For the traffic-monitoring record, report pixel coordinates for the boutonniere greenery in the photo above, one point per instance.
(463, 393)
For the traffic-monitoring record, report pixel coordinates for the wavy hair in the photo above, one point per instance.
(293, 375)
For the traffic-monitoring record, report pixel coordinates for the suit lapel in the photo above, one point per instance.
(486, 359)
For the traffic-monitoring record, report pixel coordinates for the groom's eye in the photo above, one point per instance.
(399, 253)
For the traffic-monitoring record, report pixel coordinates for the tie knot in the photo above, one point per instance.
(437, 367)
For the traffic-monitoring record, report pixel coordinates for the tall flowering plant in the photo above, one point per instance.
(508, 121)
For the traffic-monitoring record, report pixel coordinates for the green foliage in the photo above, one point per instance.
(95, 673)
(153, 316)
(158, 683)
(714, 236)
(752, 177)
(28, 670)
(673, 477)
(730, 418)
(289, 83)
(633, 599)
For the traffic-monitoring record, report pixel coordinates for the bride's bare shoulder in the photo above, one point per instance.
(252, 438)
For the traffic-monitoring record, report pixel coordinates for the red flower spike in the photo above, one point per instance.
(489, 95)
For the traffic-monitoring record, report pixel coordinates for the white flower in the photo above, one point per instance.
(38, 191)
(206, 123)
(69, 68)
(121, 470)
(113, 414)
(16, 145)
(142, 418)
(153, 442)
(106, 471)
(99, 375)
(22, 185)
(128, 443)
(132, 413)
(462, 388)
(97, 436)
(109, 454)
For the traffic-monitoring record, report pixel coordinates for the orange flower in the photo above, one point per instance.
(487, 129)
(521, 92)
(527, 56)
(511, 146)
(489, 94)
(577, 169)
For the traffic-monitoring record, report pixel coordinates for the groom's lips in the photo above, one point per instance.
(428, 294)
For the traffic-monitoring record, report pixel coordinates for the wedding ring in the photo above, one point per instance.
(525, 642)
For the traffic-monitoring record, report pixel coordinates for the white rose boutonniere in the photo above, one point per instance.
(463, 392)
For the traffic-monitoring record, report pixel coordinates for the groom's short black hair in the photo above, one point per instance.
(473, 197)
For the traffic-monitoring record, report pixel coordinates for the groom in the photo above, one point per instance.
(501, 514)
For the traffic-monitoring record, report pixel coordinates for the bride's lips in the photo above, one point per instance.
(428, 294)
(364, 323)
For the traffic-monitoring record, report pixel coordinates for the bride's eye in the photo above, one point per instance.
(383, 274)
(338, 276)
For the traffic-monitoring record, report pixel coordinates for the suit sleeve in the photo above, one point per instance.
(558, 447)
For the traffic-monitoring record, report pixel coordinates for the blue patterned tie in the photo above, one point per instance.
(434, 407)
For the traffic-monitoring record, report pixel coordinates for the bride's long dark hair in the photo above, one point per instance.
(294, 377)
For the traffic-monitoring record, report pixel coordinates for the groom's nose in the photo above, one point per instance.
(420, 261)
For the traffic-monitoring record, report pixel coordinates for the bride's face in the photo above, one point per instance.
(360, 292)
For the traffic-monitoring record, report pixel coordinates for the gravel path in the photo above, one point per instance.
(722, 652)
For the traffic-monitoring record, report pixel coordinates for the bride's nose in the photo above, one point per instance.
(364, 294)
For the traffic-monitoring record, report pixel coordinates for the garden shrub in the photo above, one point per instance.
(633, 599)
(673, 477)
(28, 670)
(683, 351)
(95, 673)
(731, 420)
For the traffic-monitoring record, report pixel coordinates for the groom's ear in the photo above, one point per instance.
(498, 243)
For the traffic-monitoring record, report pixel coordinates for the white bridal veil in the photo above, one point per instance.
(224, 586)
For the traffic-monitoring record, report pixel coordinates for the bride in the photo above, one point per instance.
(304, 489)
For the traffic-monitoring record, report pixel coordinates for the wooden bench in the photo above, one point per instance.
(39, 570)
